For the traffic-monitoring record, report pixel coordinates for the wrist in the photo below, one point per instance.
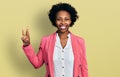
(26, 44)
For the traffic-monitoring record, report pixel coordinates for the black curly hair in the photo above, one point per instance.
(62, 6)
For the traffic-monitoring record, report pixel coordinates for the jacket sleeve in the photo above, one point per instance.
(36, 60)
(84, 61)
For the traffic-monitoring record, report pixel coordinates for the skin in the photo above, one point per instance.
(63, 19)
(25, 37)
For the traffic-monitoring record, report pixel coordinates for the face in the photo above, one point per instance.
(63, 21)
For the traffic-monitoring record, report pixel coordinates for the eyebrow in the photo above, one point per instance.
(61, 17)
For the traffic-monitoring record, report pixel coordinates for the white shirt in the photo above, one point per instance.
(63, 59)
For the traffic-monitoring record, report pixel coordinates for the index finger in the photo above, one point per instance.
(23, 34)
(27, 31)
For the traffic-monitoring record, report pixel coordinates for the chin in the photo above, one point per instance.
(63, 31)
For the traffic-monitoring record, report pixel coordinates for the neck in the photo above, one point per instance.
(63, 35)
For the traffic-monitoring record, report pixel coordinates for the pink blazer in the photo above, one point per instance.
(45, 55)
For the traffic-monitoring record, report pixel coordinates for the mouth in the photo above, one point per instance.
(62, 27)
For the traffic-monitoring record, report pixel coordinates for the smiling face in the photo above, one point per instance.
(63, 21)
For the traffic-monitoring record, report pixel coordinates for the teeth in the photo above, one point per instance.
(63, 27)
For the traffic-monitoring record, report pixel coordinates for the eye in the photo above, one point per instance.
(58, 19)
(67, 19)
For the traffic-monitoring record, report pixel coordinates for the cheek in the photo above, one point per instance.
(69, 23)
(57, 23)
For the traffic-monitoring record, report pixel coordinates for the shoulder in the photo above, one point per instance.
(48, 37)
(78, 40)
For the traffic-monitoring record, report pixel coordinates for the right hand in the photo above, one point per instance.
(25, 37)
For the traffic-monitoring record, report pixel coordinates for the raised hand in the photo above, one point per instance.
(25, 37)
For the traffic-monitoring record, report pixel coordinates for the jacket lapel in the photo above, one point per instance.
(73, 40)
(52, 40)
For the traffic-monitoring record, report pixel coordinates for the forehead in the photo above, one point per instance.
(62, 13)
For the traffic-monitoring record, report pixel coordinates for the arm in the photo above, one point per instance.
(35, 59)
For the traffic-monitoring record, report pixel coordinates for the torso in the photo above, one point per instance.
(63, 42)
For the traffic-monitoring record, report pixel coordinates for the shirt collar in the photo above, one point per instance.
(67, 35)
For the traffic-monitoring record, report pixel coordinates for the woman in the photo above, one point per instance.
(63, 53)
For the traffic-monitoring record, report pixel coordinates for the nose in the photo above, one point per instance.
(63, 21)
